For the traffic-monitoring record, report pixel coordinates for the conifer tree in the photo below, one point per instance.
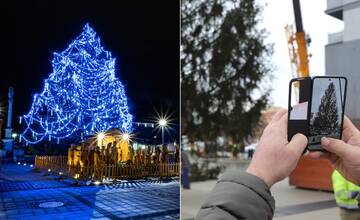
(326, 120)
(225, 68)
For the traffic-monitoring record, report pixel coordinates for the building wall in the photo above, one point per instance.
(351, 18)
(342, 54)
(344, 59)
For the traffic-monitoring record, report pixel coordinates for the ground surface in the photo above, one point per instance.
(22, 191)
(291, 203)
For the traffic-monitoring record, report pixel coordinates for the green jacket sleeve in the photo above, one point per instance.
(238, 195)
(340, 187)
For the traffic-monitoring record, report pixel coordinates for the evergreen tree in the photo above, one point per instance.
(326, 120)
(81, 96)
(224, 63)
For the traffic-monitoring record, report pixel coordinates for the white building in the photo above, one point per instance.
(342, 53)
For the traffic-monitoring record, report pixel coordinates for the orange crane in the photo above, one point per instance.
(297, 44)
(309, 173)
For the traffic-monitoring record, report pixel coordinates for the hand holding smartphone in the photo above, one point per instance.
(316, 108)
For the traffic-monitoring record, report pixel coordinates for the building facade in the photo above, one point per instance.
(342, 53)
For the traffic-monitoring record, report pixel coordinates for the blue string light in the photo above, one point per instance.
(81, 96)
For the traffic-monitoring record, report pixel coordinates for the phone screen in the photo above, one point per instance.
(327, 106)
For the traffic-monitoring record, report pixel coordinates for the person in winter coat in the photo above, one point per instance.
(177, 154)
(185, 170)
(114, 154)
(98, 163)
(148, 155)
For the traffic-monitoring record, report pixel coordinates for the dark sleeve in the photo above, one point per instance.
(358, 199)
(238, 195)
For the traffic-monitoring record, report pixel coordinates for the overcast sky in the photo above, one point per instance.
(316, 23)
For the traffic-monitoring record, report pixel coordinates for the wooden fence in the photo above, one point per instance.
(58, 164)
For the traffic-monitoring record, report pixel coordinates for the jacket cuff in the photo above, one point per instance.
(252, 182)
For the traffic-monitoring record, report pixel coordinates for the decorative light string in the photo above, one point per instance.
(81, 96)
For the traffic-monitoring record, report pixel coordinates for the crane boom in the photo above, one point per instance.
(297, 44)
(301, 41)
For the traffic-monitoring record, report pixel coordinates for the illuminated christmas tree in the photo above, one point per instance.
(82, 95)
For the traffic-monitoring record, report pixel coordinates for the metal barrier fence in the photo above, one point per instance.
(58, 164)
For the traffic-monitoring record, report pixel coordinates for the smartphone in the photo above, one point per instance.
(316, 108)
(327, 110)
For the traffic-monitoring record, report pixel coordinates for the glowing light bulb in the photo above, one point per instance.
(125, 136)
(162, 122)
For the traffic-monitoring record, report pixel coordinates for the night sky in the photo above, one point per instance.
(142, 35)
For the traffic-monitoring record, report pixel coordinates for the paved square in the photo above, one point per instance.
(20, 198)
(291, 203)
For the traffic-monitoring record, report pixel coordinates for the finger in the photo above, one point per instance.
(349, 129)
(278, 115)
(336, 146)
(284, 119)
(348, 124)
(297, 144)
(319, 155)
(333, 158)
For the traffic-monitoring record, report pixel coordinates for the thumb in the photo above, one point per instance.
(298, 144)
(335, 146)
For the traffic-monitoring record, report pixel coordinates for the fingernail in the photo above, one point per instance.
(325, 141)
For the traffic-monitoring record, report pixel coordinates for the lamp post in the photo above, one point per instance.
(14, 135)
(162, 123)
(8, 142)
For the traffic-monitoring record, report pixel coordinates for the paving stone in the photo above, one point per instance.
(20, 198)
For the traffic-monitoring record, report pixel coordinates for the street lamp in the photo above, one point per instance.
(162, 123)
